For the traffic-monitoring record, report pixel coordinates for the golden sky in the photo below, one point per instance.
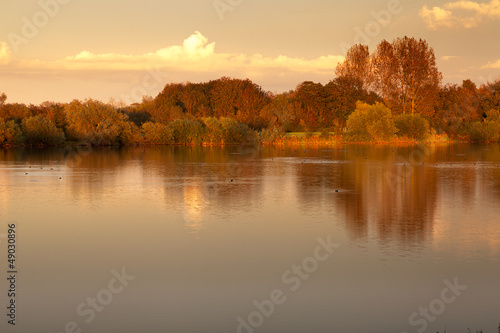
(59, 50)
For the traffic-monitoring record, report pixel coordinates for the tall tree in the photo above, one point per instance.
(417, 77)
(403, 72)
(357, 65)
(385, 72)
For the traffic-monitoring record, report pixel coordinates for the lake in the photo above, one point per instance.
(347, 238)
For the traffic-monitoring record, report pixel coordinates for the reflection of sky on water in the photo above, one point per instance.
(198, 224)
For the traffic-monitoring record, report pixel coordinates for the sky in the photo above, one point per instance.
(60, 50)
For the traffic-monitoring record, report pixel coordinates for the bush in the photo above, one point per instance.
(10, 133)
(271, 135)
(129, 134)
(412, 126)
(40, 130)
(371, 123)
(235, 132)
(214, 130)
(156, 133)
(187, 131)
(485, 131)
(227, 131)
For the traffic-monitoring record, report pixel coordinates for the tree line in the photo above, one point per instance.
(398, 83)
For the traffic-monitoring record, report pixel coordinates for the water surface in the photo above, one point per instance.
(212, 233)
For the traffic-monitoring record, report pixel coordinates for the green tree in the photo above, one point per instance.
(371, 123)
(412, 126)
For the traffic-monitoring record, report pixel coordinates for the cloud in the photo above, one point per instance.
(460, 14)
(446, 58)
(492, 65)
(195, 54)
(5, 54)
(101, 75)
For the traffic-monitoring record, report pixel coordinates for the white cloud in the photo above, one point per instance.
(195, 54)
(494, 65)
(5, 54)
(460, 14)
(446, 58)
(101, 75)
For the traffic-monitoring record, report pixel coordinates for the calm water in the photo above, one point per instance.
(235, 239)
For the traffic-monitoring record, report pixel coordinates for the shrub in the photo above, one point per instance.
(412, 126)
(156, 133)
(129, 134)
(10, 133)
(40, 130)
(186, 131)
(271, 135)
(235, 132)
(485, 131)
(227, 131)
(214, 130)
(371, 123)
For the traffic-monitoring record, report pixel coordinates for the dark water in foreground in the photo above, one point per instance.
(267, 239)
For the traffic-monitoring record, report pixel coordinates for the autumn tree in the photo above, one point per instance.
(418, 78)
(385, 71)
(15, 111)
(280, 112)
(168, 104)
(357, 65)
(239, 99)
(403, 72)
(3, 98)
(40, 130)
(251, 100)
(97, 123)
(140, 113)
(310, 99)
(455, 105)
(54, 112)
(223, 95)
(10, 133)
(342, 94)
(195, 100)
(490, 97)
